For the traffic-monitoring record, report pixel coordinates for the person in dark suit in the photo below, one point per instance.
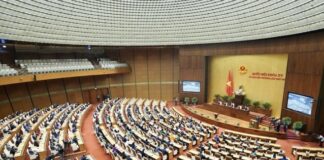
(216, 139)
(31, 152)
(13, 150)
(61, 151)
(3, 156)
(285, 127)
(278, 124)
(50, 157)
(83, 157)
(75, 140)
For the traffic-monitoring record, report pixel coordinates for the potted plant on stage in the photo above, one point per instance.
(265, 109)
(186, 100)
(225, 99)
(298, 126)
(217, 98)
(266, 106)
(194, 100)
(231, 99)
(256, 104)
(246, 102)
(286, 121)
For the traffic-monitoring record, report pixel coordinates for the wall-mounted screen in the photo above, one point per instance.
(190, 86)
(300, 103)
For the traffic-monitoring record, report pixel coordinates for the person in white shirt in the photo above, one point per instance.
(321, 139)
(240, 91)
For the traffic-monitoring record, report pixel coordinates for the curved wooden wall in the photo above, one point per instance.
(154, 74)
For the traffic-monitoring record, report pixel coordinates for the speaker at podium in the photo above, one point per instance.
(238, 99)
(239, 96)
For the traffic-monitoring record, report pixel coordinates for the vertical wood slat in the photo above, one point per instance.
(153, 75)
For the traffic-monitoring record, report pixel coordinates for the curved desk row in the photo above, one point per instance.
(235, 127)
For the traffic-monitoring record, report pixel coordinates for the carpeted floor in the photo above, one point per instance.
(91, 143)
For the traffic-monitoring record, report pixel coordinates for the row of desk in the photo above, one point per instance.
(262, 138)
(44, 133)
(143, 106)
(229, 111)
(307, 152)
(20, 154)
(8, 137)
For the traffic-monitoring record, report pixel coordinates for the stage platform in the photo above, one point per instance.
(226, 121)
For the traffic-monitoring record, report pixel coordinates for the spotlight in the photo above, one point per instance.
(4, 46)
(89, 47)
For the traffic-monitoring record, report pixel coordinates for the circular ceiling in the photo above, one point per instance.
(156, 22)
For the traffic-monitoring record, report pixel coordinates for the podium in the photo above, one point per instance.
(238, 99)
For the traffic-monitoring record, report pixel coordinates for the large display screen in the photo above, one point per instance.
(300, 103)
(190, 86)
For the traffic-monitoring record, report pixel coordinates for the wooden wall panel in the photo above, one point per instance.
(193, 68)
(166, 74)
(142, 90)
(296, 60)
(176, 71)
(56, 85)
(75, 97)
(19, 97)
(41, 101)
(3, 95)
(102, 81)
(129, 91)
(319, 118)
(57, 91)
(166, 91)
(304, 76)
(154, 73)
(86, 96)
(22, 104)
(140, 61)
(17, 90)
(39, 94)
(129, 80)
(36, 88)
(5, 109)
(5, 106)
(166, 65)
(87, 83)
(59, 98)
(117, 91)
(72, 84)
(73, 90)
(104, 91)
(116, 86)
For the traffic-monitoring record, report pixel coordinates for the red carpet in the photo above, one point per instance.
(90, 140)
